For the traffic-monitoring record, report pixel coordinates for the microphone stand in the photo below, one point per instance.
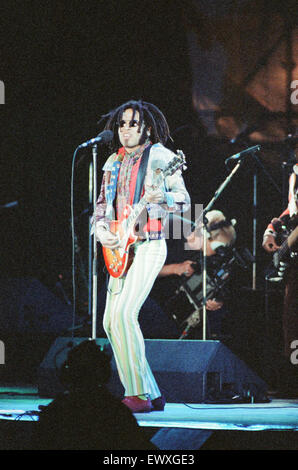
(205, 221)
(90, 244)
(103, 137)
(254, 240)
(204, 272)
(255, 205)
(94, 264)
(252, 151)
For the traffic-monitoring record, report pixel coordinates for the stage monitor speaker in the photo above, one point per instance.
(27, 306)
(186, 370)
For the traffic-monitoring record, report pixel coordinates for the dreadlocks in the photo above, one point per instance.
(150, 115)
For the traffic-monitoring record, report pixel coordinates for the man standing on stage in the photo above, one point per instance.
(140, 132)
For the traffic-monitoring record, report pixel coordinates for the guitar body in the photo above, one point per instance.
(119, 260)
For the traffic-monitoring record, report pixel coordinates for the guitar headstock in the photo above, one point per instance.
(177, 163)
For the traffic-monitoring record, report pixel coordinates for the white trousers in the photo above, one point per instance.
(125, 298)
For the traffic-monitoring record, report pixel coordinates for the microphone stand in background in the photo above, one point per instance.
(239, 158)
(255, 213)
(288, 161)
(205, 230)
(253, 150)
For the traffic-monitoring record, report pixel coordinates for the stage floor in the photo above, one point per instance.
(22, 402)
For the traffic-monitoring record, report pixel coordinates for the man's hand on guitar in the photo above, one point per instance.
(106, 238)
(154, 195)
(269, 243)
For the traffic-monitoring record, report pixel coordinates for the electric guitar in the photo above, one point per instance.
(286, 255)
(119, 260)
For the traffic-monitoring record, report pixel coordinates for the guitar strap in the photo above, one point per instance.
(141, 174)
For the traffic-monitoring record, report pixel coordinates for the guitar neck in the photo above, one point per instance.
(287, 244)
(293, 237)
(137, 209)
(160, 175)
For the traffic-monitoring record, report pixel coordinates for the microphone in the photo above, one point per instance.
(103, 138)
(9, 205)
(243, 153)
(244, 134)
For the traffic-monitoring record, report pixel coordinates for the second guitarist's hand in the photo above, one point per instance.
(106, 238)
(269, 243)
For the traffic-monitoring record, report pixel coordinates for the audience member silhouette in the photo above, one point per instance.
(87, 416)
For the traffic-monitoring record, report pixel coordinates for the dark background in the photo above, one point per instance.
(64, 64)
(63, 67)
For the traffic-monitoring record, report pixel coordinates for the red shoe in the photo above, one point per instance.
(159, 403)
(137, 405)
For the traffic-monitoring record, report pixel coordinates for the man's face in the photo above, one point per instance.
(129, 133)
